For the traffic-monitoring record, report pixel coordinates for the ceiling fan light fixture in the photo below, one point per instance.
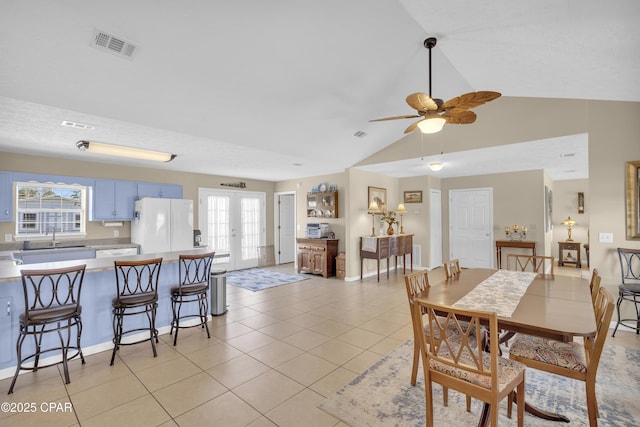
(432, 124)
(436, 166)
(120, 151)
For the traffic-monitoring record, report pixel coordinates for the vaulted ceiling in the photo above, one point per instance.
(276, 90)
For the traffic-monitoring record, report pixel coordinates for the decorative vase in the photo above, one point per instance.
(390, 230)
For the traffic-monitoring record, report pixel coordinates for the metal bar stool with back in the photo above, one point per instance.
(52, 305)
(137, 287)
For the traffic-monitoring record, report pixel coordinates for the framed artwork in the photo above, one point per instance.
(581, 203)
(632, 199)
(378, 195)
(413, 196)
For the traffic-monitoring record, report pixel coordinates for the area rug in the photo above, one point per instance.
(257, 279)
(382, 395)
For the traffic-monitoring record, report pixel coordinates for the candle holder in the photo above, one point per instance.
(515, 232)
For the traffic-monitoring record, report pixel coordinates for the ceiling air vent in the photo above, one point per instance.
(113, 44)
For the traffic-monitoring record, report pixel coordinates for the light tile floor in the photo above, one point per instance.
(271, 360)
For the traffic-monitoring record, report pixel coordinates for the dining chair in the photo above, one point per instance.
(594, 285)
(629, 289)
(416, 283)
(193, 285)
(137, 294)
(462, 363)
(51, 306)
(570, 359)
(543, 265)
(451, 268)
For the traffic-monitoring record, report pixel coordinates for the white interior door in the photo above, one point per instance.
(285, 228)
(435, 258)
(233, 222)
(471, 227)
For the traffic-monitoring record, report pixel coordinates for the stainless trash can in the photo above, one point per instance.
(218, 288)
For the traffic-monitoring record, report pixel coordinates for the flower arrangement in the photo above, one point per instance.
(390, 217)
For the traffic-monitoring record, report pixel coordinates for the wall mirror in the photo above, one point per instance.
(632, 197)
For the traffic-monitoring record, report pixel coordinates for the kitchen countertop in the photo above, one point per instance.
(10, 272)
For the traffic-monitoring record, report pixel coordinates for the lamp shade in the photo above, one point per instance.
(431, 124)
(569, 221)
(401, 209)
(374, 208)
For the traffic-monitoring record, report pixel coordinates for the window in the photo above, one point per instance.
(44, 208)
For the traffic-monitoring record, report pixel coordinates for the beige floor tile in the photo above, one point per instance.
(276, 353)
(362, 362)
(144, 359)
(189, 393)
(333, 382)
(105, 397)
(42, 385)
(96, 371)
(258, 321)
(188, 343)
(227, 410)
(386, 345)
(381, 327)
(52, 413)
(144, 411)
(331, 328)
(281, 329)
(361, 338)
(238, 371)
(251, 341)
(167, 373)
(268, 390)
(230, 330)
(336, 351)
(306, 368)
(302, 409)
(262, 422)
(306, 339)
(210, 356)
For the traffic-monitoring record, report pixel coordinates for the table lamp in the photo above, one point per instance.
(569, 222)
(373, 211)
(401, 211)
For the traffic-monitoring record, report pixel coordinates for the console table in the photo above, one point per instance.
(569, 246)
(523, 244)
(384, 247)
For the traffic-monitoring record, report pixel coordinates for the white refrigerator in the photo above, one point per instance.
(162, 225)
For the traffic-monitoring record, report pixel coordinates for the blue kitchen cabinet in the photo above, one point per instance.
(165, 191)
(6, 197)
(7, 337)
(55, 255)
(113, 200)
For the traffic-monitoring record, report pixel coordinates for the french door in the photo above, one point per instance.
(233, 222)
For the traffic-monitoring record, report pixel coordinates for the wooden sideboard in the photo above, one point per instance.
(523, 244)
(384, 247)
(317, 256)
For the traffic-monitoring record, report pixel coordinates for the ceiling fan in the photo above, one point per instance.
(434, 113)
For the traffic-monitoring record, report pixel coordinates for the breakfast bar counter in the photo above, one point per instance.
(98, 289)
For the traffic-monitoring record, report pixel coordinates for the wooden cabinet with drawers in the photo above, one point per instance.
(340, 266)
(317, 256)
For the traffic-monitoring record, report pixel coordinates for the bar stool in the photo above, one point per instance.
(52, 304)
(137, 286)
(194, 271)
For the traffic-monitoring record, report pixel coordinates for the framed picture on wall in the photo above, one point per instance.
(379, 196)
(413, 196)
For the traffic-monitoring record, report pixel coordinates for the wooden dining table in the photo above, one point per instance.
(559, 308)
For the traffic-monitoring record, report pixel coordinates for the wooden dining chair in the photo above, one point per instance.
(460, 361)
(451, 268)
(594, 285)
(543, 265)
(570, 359)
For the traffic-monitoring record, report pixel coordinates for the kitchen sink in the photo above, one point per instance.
(51, 248)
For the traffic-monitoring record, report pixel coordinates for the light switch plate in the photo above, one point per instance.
(8, 237)
(605, 237)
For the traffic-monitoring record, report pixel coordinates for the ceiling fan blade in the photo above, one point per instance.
(421, 102)
(460, 117)
(470, 100)
(413, 116)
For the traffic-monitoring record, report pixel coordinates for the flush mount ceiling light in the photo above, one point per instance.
(117, 150)
(434, 113)
(436, 166)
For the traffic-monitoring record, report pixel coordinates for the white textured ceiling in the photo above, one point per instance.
(275, 90)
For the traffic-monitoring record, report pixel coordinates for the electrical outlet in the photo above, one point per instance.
(605, 237)
(116, 233)
(8, 237)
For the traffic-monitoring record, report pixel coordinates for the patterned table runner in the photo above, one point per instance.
(500, 292)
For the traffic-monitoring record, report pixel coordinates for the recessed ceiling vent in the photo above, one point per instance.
(113, 44)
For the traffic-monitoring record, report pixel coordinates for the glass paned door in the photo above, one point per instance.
(233, 222)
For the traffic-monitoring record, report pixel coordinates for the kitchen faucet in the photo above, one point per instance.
(53, 239)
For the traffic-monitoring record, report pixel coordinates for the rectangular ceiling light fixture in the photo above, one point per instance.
(118, 150)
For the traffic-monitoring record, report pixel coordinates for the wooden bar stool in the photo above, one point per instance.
(52, 304)
(194, 271)
(137, 286)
